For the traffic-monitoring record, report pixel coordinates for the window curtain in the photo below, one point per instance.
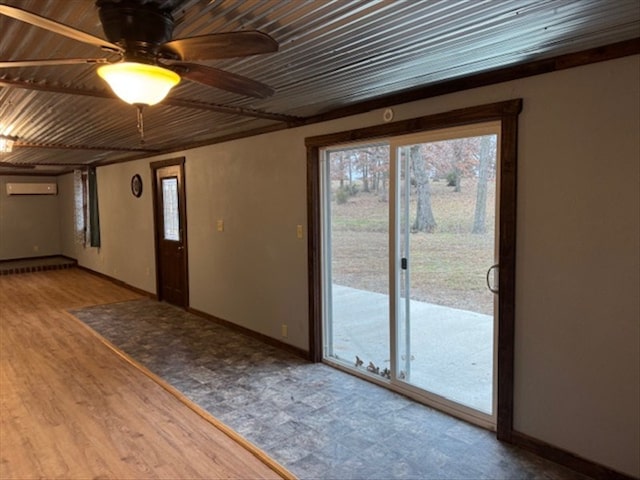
(94, 217)
(79, 204)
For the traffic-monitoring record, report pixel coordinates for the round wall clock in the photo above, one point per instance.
(136, 185)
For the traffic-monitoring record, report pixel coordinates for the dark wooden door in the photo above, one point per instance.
(171, 232)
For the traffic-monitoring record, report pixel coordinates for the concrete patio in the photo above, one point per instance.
(451, 349)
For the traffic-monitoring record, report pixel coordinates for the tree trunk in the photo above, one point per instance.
(457, 160)
(425, 221)
(365, 179)
(479, 217)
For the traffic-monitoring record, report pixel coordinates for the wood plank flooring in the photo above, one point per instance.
(72, 409)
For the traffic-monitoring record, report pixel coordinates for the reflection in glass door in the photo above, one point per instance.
(446, 244)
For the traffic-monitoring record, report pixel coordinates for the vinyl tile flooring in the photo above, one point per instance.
(317, 421)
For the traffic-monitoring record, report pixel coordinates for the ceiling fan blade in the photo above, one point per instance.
(214, 77)
(52, 62)
(222, 45)
(57, 27)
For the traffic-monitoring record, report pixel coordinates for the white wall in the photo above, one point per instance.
(577, 308)
(28, 223)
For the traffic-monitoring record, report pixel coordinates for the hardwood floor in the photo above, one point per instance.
(71, 408)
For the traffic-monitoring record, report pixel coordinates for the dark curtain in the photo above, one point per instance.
(94, 217)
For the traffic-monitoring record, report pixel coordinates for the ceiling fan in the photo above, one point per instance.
(141, 51)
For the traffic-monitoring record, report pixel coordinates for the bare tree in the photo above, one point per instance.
(457, 150)
(425, 221)
(485, 155)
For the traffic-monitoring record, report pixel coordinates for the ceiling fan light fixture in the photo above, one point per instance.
(139, 83)
(6, 143)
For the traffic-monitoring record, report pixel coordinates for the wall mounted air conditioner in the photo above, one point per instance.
(32, 188)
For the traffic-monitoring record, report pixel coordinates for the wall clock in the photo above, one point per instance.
(136, 185)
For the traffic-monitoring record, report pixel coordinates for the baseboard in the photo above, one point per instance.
(259, 336)
(120, 283)
(519, 439)
(568, 459)
(250, 333)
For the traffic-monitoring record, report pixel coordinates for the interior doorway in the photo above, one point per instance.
(170, 212)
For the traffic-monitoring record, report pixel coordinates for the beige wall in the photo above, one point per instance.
(28, 223)
(577, 312)
(126, 226)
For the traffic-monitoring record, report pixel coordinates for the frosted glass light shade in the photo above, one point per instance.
(139, 83)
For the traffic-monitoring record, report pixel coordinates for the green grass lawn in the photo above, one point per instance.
(448, 266)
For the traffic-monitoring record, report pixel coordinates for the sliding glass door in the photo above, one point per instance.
(445, 245)
(409, 238)
(356, 278)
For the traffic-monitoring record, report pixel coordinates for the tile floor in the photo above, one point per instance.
(318, 422)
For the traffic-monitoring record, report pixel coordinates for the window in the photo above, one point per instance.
(171, 217)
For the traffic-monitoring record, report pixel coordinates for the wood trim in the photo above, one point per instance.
(566, 458)
(222, 139)
(167, 163)
(235, 436)
(182, 191)
(314, 267)
(507, 276)
(73, 409)
(251, 333)
(507, 74)
(453, 118)
(491, 77)
(156, 246)
(120, 283)
(507, 112)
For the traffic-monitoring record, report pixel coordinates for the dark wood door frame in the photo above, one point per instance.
(155, 166)
(507, 113)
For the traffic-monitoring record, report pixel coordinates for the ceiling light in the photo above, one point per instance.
(139, 83)
(6, 143)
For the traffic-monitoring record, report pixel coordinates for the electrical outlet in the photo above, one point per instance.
(299, 231)
(285, 332)
(220, 225)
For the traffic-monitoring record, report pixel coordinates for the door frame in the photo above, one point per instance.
(182, 199)
(507, 113)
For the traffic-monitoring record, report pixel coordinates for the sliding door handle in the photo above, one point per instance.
(491, 288)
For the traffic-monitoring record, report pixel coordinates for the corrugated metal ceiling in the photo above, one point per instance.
(333, 53)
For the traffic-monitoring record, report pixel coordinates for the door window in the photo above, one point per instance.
(171, 212)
